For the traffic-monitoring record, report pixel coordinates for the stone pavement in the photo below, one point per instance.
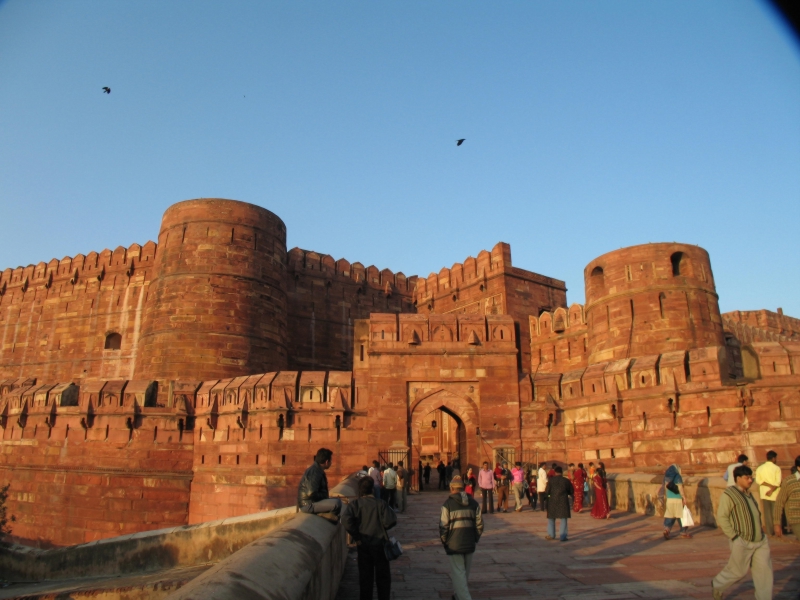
(622, 558)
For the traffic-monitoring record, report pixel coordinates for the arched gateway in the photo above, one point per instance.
(462, 409)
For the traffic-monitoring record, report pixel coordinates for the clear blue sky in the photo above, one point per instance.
(590, 126)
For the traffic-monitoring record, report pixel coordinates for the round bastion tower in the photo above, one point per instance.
(651, 299)
(216, 307)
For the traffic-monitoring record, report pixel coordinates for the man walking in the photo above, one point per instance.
(768, 478)
(559, 492)
(740, 520)
(403, 483)
(312, 493)
(789, 500)
(541, 486)
(728, 475)
(503, 478)
(486, 483)
(518, 484)
(390, 485)
(460, 528)
(427, 472)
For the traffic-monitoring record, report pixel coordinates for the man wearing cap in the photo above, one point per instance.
(460, 528)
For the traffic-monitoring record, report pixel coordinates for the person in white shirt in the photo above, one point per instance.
(768, 478)
(741, 461)
(541, 485)
(390, 485)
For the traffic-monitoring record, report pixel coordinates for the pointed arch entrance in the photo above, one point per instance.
(463, 411)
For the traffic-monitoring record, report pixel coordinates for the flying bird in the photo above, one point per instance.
(459, 142)
(106, 90)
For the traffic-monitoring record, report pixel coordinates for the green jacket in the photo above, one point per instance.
(738, 515)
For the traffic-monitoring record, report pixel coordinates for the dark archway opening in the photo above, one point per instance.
(443, 438)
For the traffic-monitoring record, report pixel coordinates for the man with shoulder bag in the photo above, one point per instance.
(366, 520)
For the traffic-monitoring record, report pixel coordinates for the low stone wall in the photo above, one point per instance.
(635, 492)
(182, 546)
(302, 560)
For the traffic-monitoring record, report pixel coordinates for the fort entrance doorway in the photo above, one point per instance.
(443, 426)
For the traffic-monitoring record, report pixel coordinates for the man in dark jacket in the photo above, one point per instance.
(366, 520)
(440, 468)
(558, 492)
(460, 528)
(312, 493)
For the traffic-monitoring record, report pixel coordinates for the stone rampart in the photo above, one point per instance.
(302, 560)
(326, 296)
(142, 552)
(77, 317)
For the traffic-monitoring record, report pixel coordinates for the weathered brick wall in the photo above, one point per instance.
(90, 465)
(55, 317)
(325, 297)
(491, 285)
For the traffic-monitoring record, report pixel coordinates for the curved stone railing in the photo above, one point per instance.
(303, 559)
(182, 546)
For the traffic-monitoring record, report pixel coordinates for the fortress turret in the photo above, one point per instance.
(651, 299)
(216, 307)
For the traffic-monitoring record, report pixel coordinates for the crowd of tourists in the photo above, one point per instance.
(383, 492)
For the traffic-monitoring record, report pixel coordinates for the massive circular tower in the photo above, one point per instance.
(216, 307)
(651, 299)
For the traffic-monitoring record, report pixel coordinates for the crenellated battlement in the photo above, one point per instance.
(762, 325)
(680, 371)
(312, 262)
(92, 267)
(471, 270)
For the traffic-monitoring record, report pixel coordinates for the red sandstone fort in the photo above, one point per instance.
(194, 379)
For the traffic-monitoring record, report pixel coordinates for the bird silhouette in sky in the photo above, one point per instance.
(459, 142)
(106, 90)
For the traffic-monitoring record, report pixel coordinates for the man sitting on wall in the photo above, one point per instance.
(312, 493)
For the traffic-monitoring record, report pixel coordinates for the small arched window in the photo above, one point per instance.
(598, 277)
(113, 341)
(678, 261)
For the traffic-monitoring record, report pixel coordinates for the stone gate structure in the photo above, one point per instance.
(194, 379)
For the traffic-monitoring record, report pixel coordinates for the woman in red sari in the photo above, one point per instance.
(600, 509)
(578, 480)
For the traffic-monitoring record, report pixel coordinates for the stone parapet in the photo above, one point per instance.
(302, 560)
(155, 550)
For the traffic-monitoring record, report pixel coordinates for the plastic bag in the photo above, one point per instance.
(687, 520)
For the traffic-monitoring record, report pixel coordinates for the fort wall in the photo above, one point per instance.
(326, 296)
(491, 285)
(57, 318)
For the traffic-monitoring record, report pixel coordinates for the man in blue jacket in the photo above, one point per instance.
(460, 528)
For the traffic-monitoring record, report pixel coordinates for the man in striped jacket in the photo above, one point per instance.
(739, 518)
(460, 528)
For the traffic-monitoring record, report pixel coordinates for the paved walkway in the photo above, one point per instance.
(618, 559)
